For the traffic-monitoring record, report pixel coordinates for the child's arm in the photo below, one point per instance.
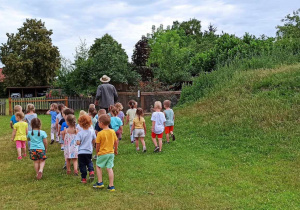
(144, 124)
(121, 129)
(13, 134)
(127, 119)
(11, 125)
(116, 147)
(97, 148)
(132, 128)
(78, 142)
(153, 126)
(45, 143)
(48, 112)
(56, 124)
(26, 131)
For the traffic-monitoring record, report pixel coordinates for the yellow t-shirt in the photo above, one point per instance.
(138, 123)
(106, 139)
(21, 128)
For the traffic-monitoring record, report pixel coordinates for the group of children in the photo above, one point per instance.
(92, 130)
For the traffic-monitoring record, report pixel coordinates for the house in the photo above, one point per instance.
(1, 75)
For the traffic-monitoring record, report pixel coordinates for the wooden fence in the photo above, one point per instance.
(145, 100)
(2, 106)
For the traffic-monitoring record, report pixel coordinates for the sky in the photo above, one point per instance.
(75, 20)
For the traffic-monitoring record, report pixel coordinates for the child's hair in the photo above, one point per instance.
(85, 121)
(105, 119)
(17, 108)
(55, 107)
(92, 106)
(82, 112)
(92, 112)
(119, 106)
(167, 103)
(131, 104)
(157, 105)
(115, 111)
(101, 111)
(110, 107)
(20, 115)
(71, 120)
(30, 107)
(68, 111)
(60, 107)
(36, 124)
(139, 112)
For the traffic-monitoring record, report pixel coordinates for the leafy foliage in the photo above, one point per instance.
(29, 57)
(291, 27)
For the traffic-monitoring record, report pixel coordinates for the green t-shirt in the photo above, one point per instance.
(169, 117)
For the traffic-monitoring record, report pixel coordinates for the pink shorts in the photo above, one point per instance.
(21, 144)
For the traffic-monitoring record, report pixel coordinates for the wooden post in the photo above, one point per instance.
(10, 108)
(66, 101)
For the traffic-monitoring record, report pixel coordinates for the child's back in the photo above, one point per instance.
(21, 128)
(85, 137)
(28, 118)
(159, 119)
(131, 114)
(106, 138)
(169, 117)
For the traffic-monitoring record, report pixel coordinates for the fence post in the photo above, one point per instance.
(142, 101)
(10, 108)
(66, 101)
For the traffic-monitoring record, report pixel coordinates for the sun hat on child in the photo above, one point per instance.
(105, 79)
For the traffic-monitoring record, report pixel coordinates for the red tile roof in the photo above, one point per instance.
(1, 75)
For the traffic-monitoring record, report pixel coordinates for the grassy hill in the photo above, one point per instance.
(236, 148)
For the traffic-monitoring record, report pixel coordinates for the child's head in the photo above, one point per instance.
(85, 122)
(36, 125)
(139, 112)
(101, 111)
(92, 112)
(17, 108)
(82, 112)
(119, 106)
(167, 104)
(114, 111)
(131, 104)
(60, 107)
(104, 120)
(30, 108)
(67, 111)
(157, 105)
(19, 116)
(54, 107)
(92, 106)
(71, 120)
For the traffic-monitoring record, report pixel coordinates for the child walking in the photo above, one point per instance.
(59, 116)
(70, 145)
(19, 134)
(106, 147)
(13, 120)
(139, 128)
(38, 147)
(116, 123)
(158, 125)
(121, 115)
(53, 112)
(170, 118)
(130, 115)
(28, 117)
(85, 139)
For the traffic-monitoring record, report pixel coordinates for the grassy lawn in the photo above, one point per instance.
(238, 148)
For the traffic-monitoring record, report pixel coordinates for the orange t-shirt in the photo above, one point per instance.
(106, 139)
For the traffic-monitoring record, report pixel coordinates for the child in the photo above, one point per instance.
(170, 117)
(58, 118)
(92, 114)
(116, 123)
(28, 117)
(38, 147)
(97, 127)
(19, 134)
(13, 120)
(139, 128)
(70, 145)
(106, 146)
(85, 139)
(64, 125)
(130, 115)
(81, 113)
(109, 110)
(158, 125)
(53, 112)
(121, 115)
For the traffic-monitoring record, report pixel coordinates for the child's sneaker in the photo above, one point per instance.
(98, 185)
(111, 189)
(156, 149)
(83, 180)
(62, 149)
(52, 141)
(92, 176)
(95, 157)
(144, 149)
(173, 136)
(20, 158)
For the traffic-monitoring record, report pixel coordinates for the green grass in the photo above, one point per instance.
(236, 148)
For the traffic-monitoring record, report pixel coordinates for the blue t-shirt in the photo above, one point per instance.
(97, 127)
(13, 119)
(53, 116)
(36, 142)
(63, 126)
(86, 138)
(115, 123)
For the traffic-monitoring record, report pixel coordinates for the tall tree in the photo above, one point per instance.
(291, 27)
(29, 57)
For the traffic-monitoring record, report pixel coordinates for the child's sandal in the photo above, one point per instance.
(75, 173)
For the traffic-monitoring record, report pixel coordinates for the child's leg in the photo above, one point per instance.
(160, 144)
(143, 142)
(53, 129)
(137, 143)
(75, 164)
(68, 164)
(154, 141)
(90, 165)
(19, 152)
(131, 136)
(24, 151)
(36, 165)
(42, 165)
(82, 165)
(99, 174)
(168, 137)
(110, 176)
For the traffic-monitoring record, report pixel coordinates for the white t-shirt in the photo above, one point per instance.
(159, 119)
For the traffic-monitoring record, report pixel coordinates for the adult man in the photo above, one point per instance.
(106, 93)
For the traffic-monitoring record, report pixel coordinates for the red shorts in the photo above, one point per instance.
(168, 129)
(158, 135)
(21, 144)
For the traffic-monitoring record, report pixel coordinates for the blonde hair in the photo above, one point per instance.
(157, 105)
(18, 108)
(101, 111)
(55, 107)
(82, 112)
(92, 106)
(30, 107)
(119, 106)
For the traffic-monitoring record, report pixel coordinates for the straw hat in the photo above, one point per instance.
(105, 79)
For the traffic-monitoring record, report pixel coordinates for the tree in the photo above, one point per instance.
(291, 27)
(29, 57)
